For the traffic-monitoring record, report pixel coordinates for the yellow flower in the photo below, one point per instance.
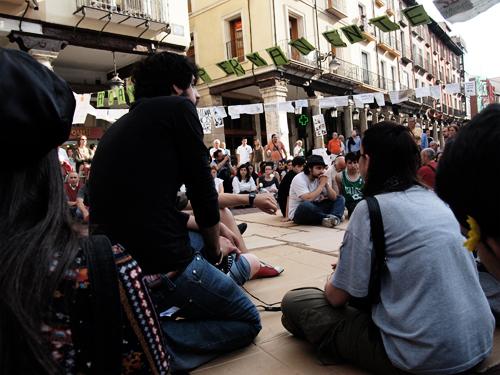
(474, 234)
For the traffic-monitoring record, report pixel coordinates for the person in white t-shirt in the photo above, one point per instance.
(243, 152)
(243, 183)
(219, 182)
(312, 199)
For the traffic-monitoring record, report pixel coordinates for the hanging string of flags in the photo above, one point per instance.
(416, 15)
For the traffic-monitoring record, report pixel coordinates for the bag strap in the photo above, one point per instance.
(378, 239)
(105, 309)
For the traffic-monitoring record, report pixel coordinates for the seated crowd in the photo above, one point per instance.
(155, 286)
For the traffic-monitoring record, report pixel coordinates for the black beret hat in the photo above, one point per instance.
(36, 108)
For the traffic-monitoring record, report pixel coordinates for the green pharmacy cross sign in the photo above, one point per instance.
(303, 120)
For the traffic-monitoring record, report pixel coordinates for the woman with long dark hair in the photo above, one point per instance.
(402, 295)
(243, 182)
(60, 306)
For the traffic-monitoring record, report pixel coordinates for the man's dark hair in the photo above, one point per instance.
(475, 149)
(298, 160)
(351, 156)
(155, 75)
(217, 152)
(394, 158)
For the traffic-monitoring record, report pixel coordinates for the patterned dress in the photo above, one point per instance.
(143, 350)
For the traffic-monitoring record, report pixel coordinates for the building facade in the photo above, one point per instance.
(384, 61)
(85, 41)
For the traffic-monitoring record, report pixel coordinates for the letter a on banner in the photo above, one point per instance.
(121, 96)
(384, 23)
(353, 33)
(334, 38)
(100, 98)
(416, 15)
(277, 55)
(302, 45)
(256, 59)
(111, 98)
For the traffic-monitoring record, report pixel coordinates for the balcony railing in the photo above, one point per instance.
(357, 73)
(151, 10)
(390, 40)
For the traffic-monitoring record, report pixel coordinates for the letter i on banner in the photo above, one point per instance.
(100, 99)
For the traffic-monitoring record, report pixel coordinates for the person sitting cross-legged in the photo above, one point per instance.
(312, 199)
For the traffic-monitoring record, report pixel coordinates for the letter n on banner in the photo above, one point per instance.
(111, 98)
(202, 73)
(226, 67)
(100, 98)
(384, 23)
(353, 33)
(416, 15)
(256, 59)
(334, 38)
(237, 68)
(302, 45)
(277, 55)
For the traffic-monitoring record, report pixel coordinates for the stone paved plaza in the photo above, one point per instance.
(306, 253)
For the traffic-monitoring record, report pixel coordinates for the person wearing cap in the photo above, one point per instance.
(60, 306)
(217, 315)
(312, 200)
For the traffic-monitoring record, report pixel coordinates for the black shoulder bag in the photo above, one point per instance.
(378, 261)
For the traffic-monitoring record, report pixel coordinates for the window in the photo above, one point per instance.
(393, 77)
(190, 52)
(382, 73)
(362, 17)
(235, 45)
(293, 24)
(190, 8)
(366, 67)
(406, 79)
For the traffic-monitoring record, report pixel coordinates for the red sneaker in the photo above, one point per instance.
(268, 271)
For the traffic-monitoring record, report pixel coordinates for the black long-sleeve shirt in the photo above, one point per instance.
(140, 163)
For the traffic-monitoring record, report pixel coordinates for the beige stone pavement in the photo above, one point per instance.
(306, 253)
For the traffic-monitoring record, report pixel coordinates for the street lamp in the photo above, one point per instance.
(333, 112)
(116, 82)
(333, 65)
(355, 114)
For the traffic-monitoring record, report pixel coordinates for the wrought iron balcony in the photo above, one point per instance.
(152, 14)
(389, 43)
(234, 49)
(364, 76)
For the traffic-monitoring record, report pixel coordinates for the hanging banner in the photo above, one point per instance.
(353, 33)
(334, 38)
(384, 23)
(379, 98)
(279, 107)
(319, 125)
(277, 55)
(301, 103)
(361, 99)
(231, 66)
(399, 96)
(202, 73)
(256, 59)
(463, 10)
(100, 99)
(205, 116)
(416, 15)
(122, 100)
(421, 92)
(452, 88)
(334, 101)
(470, 88)
(81, 108)
(435, 91)
(302, 45)
(219, 113)
(251, 109)
(111, 97)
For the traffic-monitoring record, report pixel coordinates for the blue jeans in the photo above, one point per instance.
(312, 213)
(217, 315)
